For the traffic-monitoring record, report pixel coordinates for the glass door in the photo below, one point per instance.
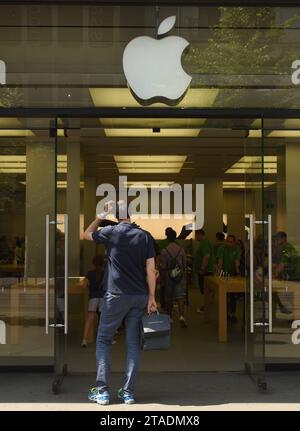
(226, 157)
(27, 242)
(282, 197)
(71, 298)
(258, 251)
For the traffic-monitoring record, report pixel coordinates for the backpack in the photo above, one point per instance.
(174, 270)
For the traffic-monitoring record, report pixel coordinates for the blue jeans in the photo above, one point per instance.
(115, 309)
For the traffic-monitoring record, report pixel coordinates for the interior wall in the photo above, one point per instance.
(233, 206)
(213, 205)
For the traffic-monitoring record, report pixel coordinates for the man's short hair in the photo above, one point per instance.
(168, 229)
(231, 236)
(171, 235)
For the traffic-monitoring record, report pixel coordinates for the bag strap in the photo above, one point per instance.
(173, 257)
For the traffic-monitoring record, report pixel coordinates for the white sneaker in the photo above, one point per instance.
(182, 322)
(84, 343)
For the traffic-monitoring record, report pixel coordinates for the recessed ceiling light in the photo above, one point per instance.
(149, 163)
(150, 123)
(116, 97)
(245, 184)
(149, 133)
(293, 123)
(59, 184)
(255, 133)
(253, 165)
(17, 164)
(284, 134)
(149, 184)
(15, 133)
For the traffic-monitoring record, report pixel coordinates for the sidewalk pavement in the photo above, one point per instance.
(154, 392)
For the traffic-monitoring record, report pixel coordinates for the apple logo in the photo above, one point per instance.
(153, 67)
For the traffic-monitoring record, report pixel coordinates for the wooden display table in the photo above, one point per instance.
(221, 286)
(11, 268)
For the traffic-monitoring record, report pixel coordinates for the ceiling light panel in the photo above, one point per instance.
(149, 163)
(149, 133)
(15, 133)
(293, 123)
(253, 165)
(152, 170)
(149, 123)
(149, 184)
(17, 164)
(116, 97)
(255, 134)
(150, 158)
(284, 134)
(246, 185)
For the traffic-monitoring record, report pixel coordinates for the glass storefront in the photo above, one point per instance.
(240, 59)
(237, 56)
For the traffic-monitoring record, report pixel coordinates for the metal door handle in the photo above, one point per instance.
(270, 271)
(47, 276)
(251, 232)
(66, 275)
(66, 272)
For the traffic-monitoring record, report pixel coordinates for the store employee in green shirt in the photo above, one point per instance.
(228, 261)
(228, 257)
(204, 260)
(289, 265)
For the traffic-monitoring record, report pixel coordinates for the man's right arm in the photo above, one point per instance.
(88, 233)
(92, 228)
(151, 280)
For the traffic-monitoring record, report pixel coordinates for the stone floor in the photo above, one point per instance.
(155, 391)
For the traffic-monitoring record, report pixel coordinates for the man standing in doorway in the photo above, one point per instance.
(129, 282)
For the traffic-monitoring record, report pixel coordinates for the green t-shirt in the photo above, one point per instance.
(205, 248)
(229, 255)
(291, 260)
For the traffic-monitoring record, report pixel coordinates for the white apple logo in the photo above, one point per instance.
(153, 67)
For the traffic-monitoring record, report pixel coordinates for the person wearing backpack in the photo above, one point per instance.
(172, 270)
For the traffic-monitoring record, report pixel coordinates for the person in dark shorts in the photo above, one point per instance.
(93, 282)
(129, 283)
